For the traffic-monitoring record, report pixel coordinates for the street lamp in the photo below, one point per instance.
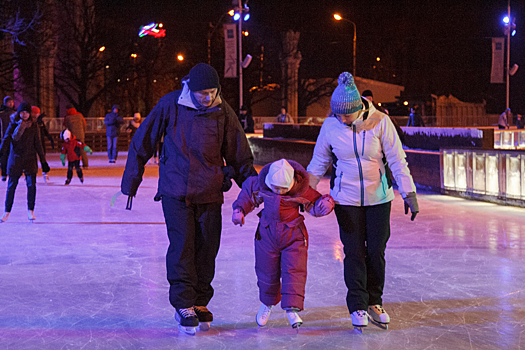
(243, 15)
(338, 17)
(510, 29)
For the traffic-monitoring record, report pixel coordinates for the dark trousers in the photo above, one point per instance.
(364, 232)
(11, 188)
(3, 161)
(194, 232)
(76, 165)
(112, 148)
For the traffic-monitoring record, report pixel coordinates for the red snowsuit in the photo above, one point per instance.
(281, 240)
(73, 149)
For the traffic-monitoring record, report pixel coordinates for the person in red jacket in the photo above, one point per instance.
(72, 148)
(281, 240)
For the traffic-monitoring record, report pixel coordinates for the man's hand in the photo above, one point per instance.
(238, 217)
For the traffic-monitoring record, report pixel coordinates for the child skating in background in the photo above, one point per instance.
(72, 147)
(281, 240)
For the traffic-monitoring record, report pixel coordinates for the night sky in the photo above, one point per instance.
(430, 47)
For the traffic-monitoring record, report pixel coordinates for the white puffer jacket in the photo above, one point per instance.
(357, 153)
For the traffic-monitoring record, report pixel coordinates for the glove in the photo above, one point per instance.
(326, 204)
(45, 167)
(411, 202)
(63, 159)
(88, 150)
(238, 217)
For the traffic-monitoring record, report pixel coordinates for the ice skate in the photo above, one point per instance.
(31, 215)
(263, 315)
(294, 318)
(359, 320)
(205, 317)
(5, 217)
(187, 319)
(378, 316)
(82, 179)
(46, 178)
(68, 181)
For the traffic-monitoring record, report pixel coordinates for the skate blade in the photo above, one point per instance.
(297, 325)
(204, 326)
(187, 330)
(379, 324)
(359, 329)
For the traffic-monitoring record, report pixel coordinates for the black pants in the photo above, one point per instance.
(194, 232)
(76, 165)
(11, 187)
(364, 232)
(3, 162)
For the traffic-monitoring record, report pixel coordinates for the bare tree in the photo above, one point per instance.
(311, 91)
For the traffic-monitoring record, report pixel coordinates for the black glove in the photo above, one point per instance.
(411, 202)
(45, 167)
(228, 173)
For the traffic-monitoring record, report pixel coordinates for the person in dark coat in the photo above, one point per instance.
(76, 123)
(281, 240)
(6, 110)
(24, 142)
(201, 134)
(246, 120)
(415, 119)
(134, 124)
(113, 122)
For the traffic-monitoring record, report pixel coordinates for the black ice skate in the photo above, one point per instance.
(205, 317)
(187, 319)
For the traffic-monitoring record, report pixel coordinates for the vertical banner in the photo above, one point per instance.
(498, 55)
(230, 51)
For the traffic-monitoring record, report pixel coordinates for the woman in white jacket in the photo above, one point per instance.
(361, 143)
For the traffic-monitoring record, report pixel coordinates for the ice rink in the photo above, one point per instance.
(85, 275)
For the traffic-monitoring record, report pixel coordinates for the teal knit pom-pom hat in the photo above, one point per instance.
(345, 98)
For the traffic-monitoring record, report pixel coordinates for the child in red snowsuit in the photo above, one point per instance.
(72, 148)
(281, 240)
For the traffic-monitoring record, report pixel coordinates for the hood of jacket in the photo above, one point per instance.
(301, 178)
(185, 98)
(72, 111)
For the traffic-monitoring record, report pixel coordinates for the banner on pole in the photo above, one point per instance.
(230, 51)
(498, 53)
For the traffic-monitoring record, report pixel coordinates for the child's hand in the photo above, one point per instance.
(88, 149)
(63, 159)
(325, 205)
(238, 217)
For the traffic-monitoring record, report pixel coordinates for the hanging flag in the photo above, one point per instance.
(498, 53)
(230, 51)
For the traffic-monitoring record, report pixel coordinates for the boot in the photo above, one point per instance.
(187, 319)
(5, 217)
(378, 314)
(31, 215)
(293, 317)
(205, 317)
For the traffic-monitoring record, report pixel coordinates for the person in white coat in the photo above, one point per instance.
(354, 139)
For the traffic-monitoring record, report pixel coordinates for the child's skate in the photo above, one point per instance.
(293, 317)
(378, 316)
(359, 320)
(205, 317)
(31, 215)
(187, 319)
(263, 315)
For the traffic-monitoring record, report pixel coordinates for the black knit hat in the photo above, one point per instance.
(202, 77)
(24, 106)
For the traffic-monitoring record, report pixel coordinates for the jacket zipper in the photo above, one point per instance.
(340, 181)
(360, 168)
(363, 150)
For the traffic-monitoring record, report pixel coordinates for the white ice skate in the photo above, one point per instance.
(293, 317)
(263, 315)
(46, 178)
(378, 316)
(31, 215)
(187, 319)
(359, 320)
(5, 217)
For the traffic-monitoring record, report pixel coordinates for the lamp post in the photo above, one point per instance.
(338, 17)
(508, 55)
(242, 14)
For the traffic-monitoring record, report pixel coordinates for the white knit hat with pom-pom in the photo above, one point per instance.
(280, 174)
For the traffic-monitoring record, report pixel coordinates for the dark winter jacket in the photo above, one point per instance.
(73, 149)
(22, 157)
(196, 145)
(5, 115)
(76, 123)
(43, 132)
(113, 121)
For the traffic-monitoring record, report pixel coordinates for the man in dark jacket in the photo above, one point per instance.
(8, 108)
(201, 133)
(113, 122)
